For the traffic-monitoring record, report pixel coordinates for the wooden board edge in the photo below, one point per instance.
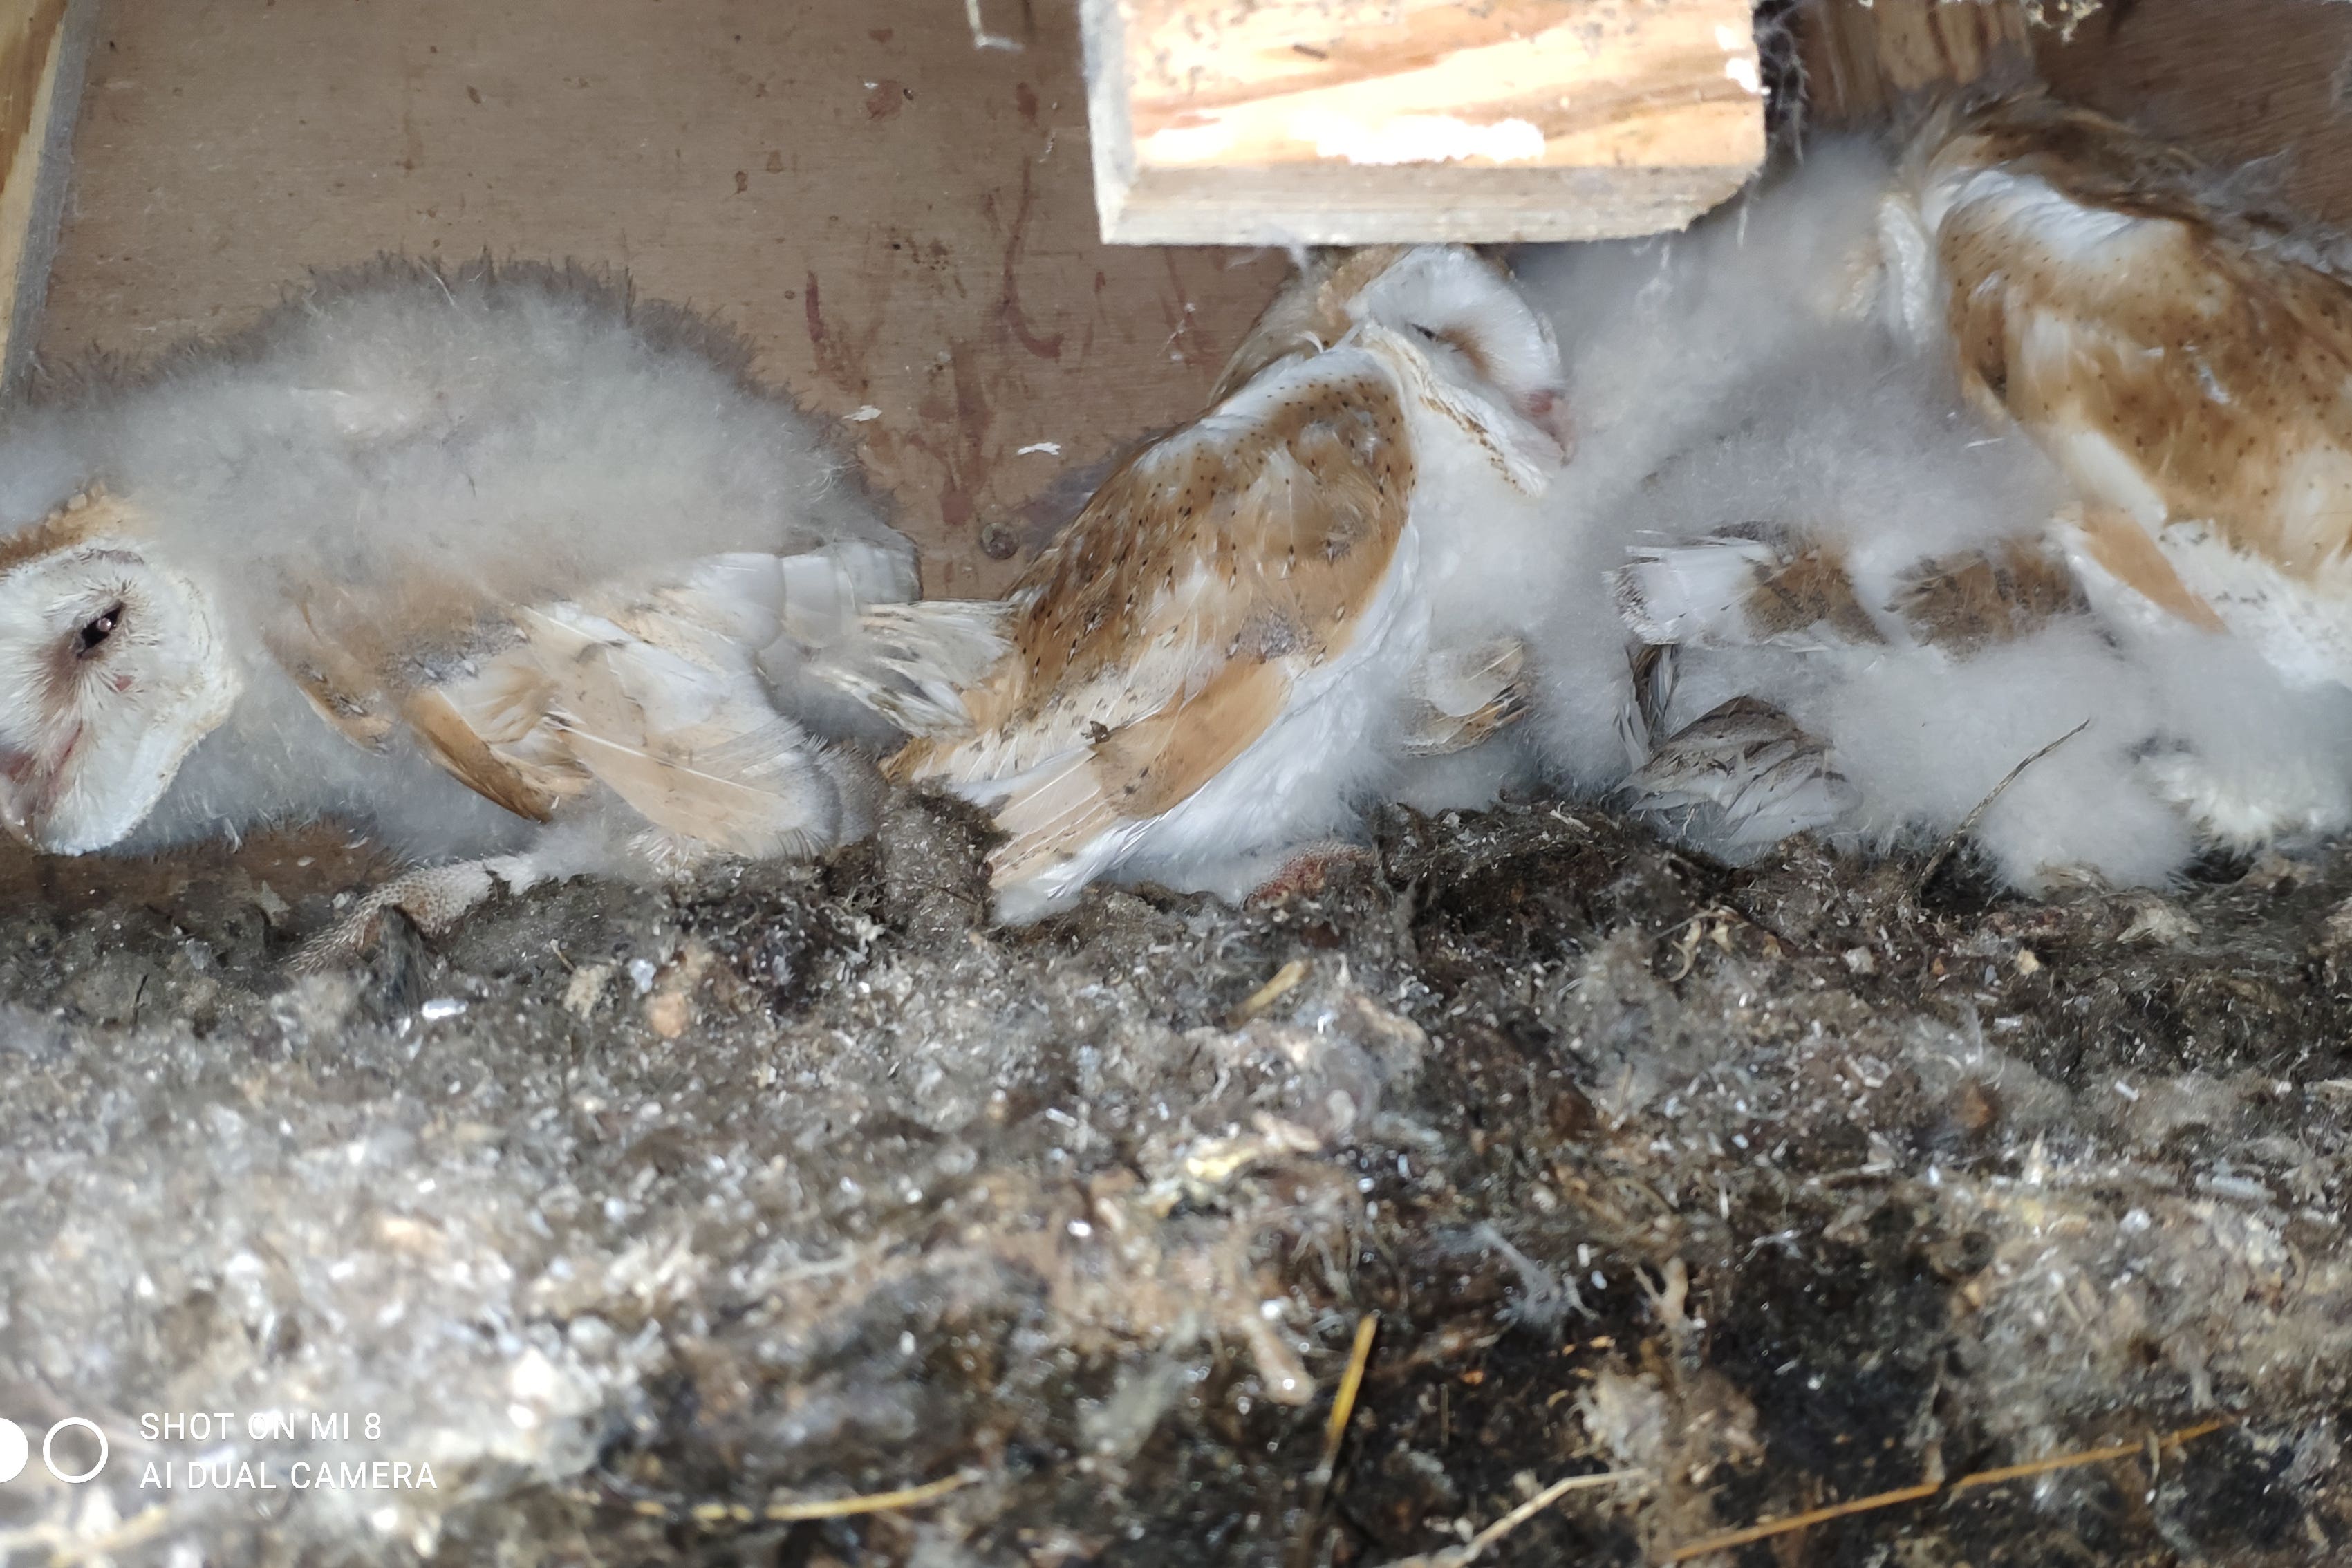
(33, 185)
(1102, 39)
(1268, 206)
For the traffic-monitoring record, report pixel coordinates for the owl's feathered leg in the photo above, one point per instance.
(607, 840)
(435, 896)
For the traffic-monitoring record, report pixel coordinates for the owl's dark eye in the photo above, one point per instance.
(92, 637)
(1426, 335)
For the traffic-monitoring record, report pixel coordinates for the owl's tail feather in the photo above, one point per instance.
(911, 663)
(840, 611)
(1465, 697)
(1738, 780)
(760, 797)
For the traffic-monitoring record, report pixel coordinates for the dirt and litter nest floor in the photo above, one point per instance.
(1779, 1188)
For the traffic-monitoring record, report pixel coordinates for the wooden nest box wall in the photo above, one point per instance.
(1353, 121)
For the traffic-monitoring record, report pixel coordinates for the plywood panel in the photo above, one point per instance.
(2233, 79)
(901, 222)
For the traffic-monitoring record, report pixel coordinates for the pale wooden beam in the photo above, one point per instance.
(43, 45)
(1353, 121)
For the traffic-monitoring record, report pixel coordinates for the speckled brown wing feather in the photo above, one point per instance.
(342, 689)
(494, 733)
(487, 722)
(2159, 349)
(1163, 632)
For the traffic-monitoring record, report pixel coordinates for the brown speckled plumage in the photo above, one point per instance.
(1219, 654)
(1807, 587)
(1974, 599)
(1165, 627)
(2099, 292)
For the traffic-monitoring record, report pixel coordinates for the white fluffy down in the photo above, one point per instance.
(529, 431)
(1742, 372)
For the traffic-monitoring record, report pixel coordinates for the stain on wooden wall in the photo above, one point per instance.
(901, 222)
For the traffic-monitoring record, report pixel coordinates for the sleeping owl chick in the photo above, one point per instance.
(498, 565)
(1240, 638)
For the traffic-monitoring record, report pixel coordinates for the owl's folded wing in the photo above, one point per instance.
(690, 743)
(655, 691)
(1765, 586)
(1166, 629)
(2181, 363)
(491, 730)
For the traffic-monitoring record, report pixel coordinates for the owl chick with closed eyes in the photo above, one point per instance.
(522, 576)
(1259, 619)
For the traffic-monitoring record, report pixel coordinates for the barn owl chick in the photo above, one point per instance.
(1878, 604)
(1236, 641)
(2184, 358)
(1668, 341)
(1882, 638)
(502, 567)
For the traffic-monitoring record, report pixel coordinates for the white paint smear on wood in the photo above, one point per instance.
(1418, 138)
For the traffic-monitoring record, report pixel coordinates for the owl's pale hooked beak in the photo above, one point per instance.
(1548, 411)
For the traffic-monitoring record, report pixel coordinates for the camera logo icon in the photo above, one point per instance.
(16, 1450)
